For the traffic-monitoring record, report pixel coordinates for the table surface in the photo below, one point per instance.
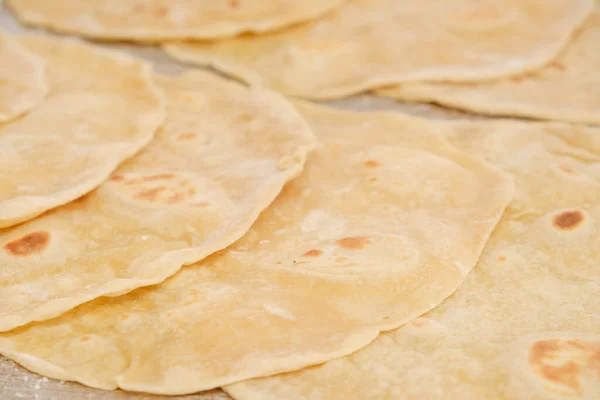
(18, 383)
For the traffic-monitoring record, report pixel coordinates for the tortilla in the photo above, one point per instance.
(22, 79)
(567, 90)
(155, 20)
(222, 156)
(371, 43)
(101, 109)
(525, 324)
(365, 240)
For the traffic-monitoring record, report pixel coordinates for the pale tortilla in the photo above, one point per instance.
(371, 43)
(567, 90)
(222, 156)
(22, 79)
(101, 109)
(367, 238)
(154, 20)
(525, 325)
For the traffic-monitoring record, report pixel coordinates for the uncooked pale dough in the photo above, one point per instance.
(154, 20)
(101, 109)
(568, 89)
(22, 79)
(526, 323)
(222, 156)
(367, 238)
(370, 43)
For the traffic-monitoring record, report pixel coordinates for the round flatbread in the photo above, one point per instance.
(222, 156)
(101, 109)
(366, 239)
(22, 79)
(154, 20)
(371, 43)
(566, 90)
(525, 324)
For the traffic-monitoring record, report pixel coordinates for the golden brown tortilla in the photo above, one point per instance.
(525, 325)
(366, 239)
(154, 20)
(221, 157)
(100, 110)
(22, 80)
(567, 90)
(371, 43)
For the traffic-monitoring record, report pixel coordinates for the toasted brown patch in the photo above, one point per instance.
(201, 204)
(186, 136)
(568, 169)
(234, 3)
(313, 253)
(501, 258)
(151, 178)
(354, 243)
(372, 179)
(117, 178)
(31, 243)
(372, 163)
(565, 363)
(418, 322)
(568, 220)
(516, 79)
(150, 194)
(162, 11)
(85, 338)
(245, 117)
(123, 317)
(176, 198)
(558, 65)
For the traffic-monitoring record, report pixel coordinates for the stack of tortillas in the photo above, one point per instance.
(172, 234)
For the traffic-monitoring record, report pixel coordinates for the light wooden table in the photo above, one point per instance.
(17, 383)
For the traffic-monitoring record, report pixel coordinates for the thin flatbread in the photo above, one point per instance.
(567, 90)
(526, 323)
(222, 156)
(101, 109)
(155, 20)
(372, 43)
(22, 79)
(366, 239)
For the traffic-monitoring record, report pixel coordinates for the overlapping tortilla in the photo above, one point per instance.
(366, 239)
(222, 156)
(567, 90)
(526, 323)
(371, 43)
(154, 20)
(22, 80)
(101, 109)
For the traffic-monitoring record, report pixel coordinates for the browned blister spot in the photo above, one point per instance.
(31, 243)
(418, 322)
(568, 169)
(313, 253)
(354, 242)
(516, 79)
(123, 317)
(176, 198)
(501, 258)
(558, 65)
(568, 220)
(85, 338)
(565, 363)
(372, 163)
(162, 11)
(150, 194)
(234, 3)
(372, 179)
(186, 136)
(117, 178)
